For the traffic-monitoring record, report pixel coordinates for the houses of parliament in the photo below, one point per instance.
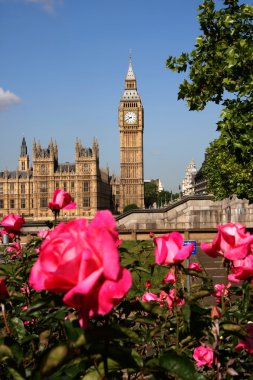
(28, 189)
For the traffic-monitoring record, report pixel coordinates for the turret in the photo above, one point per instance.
(23, 157)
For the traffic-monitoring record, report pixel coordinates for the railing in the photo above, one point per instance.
(189, 234)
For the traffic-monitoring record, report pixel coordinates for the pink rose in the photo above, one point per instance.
(170, 299)
(61, 200)
(221, 290)
(195, 266)
(15, 249)
(242, 269)
(231, 241)
(247, 342)
(170, 278)
(203, 356)
(12, 223)
(170, 250)
(164, 298)
(148, 296)
(43, 234)
(81, 260)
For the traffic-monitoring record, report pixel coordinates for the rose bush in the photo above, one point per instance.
(81, 274)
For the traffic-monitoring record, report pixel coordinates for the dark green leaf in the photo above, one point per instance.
(180, 366)
(17, 328)
(54, 358)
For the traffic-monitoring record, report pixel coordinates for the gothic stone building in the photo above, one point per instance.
(28, 190)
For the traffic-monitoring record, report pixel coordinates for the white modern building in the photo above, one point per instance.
(189, 179)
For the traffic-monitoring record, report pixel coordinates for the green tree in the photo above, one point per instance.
(220, 71)
(164, 197)
(130, 207)
(150, 193)
(225, 175)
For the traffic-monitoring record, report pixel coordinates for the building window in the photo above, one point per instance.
(22, 203)
(11, 188)
(72, 186)
(1, 188)
(86, 186)
(43, 169)
(12, 203)
(1, 203)
(43, 202)
(57, 185)
(85, 168)
(86, 202)
(23, 165)
(43, 187)
(65, 186)
(22, 188)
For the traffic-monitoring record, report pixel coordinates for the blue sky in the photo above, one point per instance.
(62, 70)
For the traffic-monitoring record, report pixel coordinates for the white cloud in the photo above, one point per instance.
(47, 5)
(7, 99)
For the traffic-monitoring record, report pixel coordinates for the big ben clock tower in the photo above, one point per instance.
(131, 126)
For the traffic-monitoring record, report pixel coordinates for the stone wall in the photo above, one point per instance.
(189, 212)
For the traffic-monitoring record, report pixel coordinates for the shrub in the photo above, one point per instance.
(130, 207)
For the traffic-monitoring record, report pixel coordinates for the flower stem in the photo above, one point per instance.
(105, 356)
(5, 319)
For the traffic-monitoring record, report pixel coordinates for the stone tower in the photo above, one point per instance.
(23, 157)
(131, 126)
(45, 163)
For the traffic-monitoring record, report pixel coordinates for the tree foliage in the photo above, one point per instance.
(225, 175)
(220, 71)
(150, 193)
(130, 207)
(164, 197)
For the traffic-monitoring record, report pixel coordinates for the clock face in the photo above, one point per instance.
(130, 117)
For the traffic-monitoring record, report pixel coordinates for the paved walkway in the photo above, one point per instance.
(213, 267)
